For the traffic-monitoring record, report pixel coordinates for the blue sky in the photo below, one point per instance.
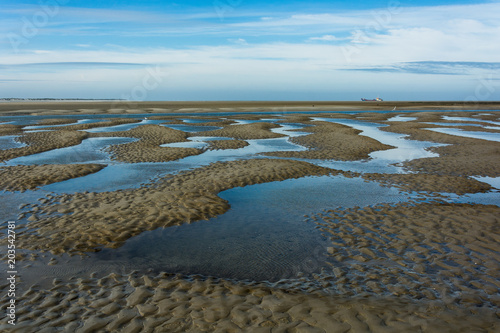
(250, 50)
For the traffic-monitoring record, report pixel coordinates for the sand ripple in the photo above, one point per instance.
(166, 303)
(87, 221)
(29, 177)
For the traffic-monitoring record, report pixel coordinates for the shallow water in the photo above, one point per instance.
(192, 128)
(401, 118)
(9, 142)
(468, 134)
(78, 122)
(405, 149)
(470, 119)
(263, 236)
(89, 151)
(125, 127)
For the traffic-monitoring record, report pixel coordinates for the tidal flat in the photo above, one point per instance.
(262, 220)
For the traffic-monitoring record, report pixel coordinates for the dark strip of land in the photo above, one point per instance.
(124, 107)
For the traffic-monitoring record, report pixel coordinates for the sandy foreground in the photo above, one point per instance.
(425, 265)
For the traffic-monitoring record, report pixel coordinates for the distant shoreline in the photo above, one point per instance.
(58, 107)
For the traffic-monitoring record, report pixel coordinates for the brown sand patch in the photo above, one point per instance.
(110, 122)
(9, 129)
(55, 121)
(429, 250)
(29, 177)
(226, 144)
(166, 303)
(123, 107)
(38, 142)
(148, 149)
(429, 183)
(245, 131)
(333, 141)
(463, 157)
(108, 219)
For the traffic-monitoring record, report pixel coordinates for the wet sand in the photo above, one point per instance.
(460, 157)
(148, 148)
(245, 131)
(166, 303)
(425, 251)
(125, 107)
(391, 267)
(430, 183)
(333, 141)
(89, 221)
(29, 177)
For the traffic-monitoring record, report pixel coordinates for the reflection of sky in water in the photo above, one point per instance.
(78, 122)
(114, 177)
(470, 119)
(192, 128)
(89, 151)
(125, 127)
(9, 142)
(454, 124)
(262, 237)
(468, 134)
(197, 121)
(401, 118)
(405, 149)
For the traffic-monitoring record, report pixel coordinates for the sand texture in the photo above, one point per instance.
(29, 177)
(333, 141)
(147, 148)
(429, 183)
(38, 142)
(424, 264)
(55, 121)
(425, 251)
(9, 129)
(90, 220)
(128, 107)
(245, 131)
(461, 157)
(163, 303)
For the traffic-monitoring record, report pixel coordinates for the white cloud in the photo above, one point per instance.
(362, 39)
(326, 38)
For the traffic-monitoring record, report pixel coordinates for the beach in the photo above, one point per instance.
(251, 216)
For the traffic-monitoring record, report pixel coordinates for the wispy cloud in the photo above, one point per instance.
(434, 67)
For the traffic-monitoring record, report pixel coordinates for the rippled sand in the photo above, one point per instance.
(423, 265)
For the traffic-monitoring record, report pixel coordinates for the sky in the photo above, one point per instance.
(250, 50)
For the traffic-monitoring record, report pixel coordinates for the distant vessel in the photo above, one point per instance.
(378, 99)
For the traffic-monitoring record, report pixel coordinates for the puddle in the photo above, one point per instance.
(10, 202)
(263, 236)
(119, 176)
(9, 142)
(405, 149)
(471, 119)
(468, 134)
(78, 122)
(192, 128)
(269, 243)
(401, 118)
(89, 151)
(125, 127)
(290, 130)
(198, 121)
(493, 181)
(454, 124)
